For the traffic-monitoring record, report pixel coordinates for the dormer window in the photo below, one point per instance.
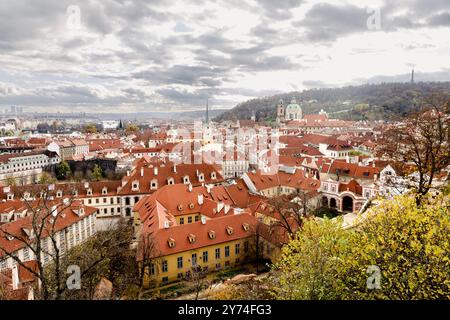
(201, 177)
(230, 230)
(213, 175)
(246, 226)
(104, 190)
(191, 206)
(186, 179)
(89, 192)
(170, 181)
(135, 186)
(191, 238)
(154, 184)
(10, 196)
(171, 242)
(180, 207)
(211, 234)
(59, 194)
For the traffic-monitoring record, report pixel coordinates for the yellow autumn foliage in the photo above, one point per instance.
(409, 245)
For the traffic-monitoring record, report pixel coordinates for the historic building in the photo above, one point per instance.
(292, 111)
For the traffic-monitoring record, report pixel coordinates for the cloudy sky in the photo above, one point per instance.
(160, 55)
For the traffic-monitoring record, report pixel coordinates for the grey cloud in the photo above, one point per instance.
(442, 19)
(279, 9)
(326, 22)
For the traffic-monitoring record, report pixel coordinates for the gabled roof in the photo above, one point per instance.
(242, 226)
(66, 216)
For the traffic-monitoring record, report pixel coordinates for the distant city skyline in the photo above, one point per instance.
(139, 56)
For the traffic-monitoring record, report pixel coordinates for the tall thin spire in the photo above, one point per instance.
(412, 76)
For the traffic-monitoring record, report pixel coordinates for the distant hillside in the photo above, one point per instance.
(180, 115)
(365, 102)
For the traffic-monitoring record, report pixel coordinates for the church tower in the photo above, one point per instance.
(280, 112)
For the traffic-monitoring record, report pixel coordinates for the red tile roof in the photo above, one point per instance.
(242, 226)
(66, 217)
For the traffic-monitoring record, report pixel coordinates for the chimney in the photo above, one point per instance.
(15, 277)
(190, 187)
(155, 171)
(128, 173)
(203, 219)
(142, 171)
(200, 199)
(375, 177)
(175, 168)
(54, 210)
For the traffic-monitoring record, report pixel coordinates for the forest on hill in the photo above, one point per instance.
(366, 102)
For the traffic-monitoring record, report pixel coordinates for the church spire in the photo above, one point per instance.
(412, 76)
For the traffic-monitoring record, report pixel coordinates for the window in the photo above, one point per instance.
(180, 275)
(26, 254)
(194, 259)
(165, 279)
(218, 253)
(164, 266)
(152, 268)
(227, 263)
(181, 220)
(196, 218)
(189, 219)
(104, 200)
(237, 248)
(217, 266)
(205, 256)
(227, 251)
(97, 200)
(246, 246)
(180, 262)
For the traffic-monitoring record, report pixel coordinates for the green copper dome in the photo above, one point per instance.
(293, 106)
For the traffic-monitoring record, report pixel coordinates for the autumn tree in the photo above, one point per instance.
(39, 236)
(63, 170)
(46, 178)
(148, 256)
(90, 128)
(286, 214)
(405, 246)
(409, 245)
(196, 276)
(132, 128)
(97, 173)
(422, 139)
(308, 265)
(106, 255)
